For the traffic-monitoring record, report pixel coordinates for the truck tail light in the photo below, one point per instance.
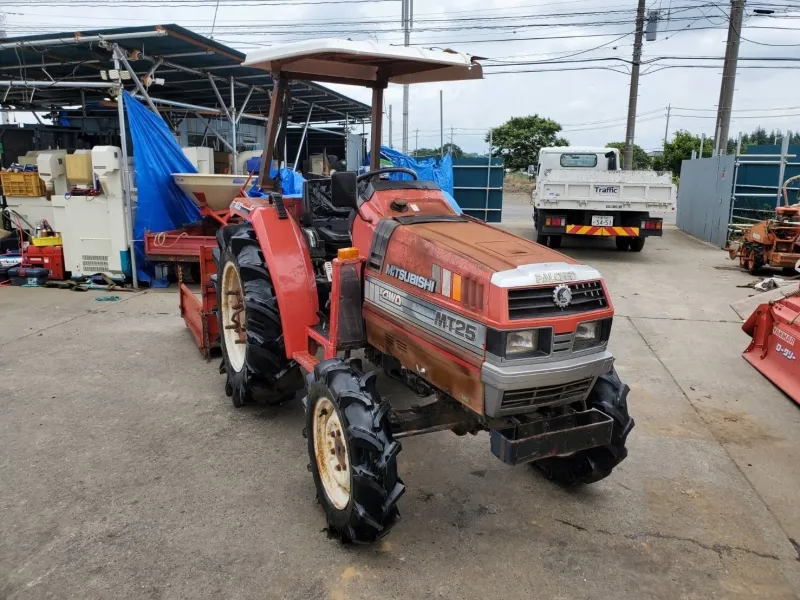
(555, 222)
(651, 224)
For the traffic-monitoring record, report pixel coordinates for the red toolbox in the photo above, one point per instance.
(47, 257)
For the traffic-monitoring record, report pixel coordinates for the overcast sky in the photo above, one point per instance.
(590, 104)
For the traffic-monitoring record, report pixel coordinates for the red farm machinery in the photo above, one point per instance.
(774, 326)
(504, 335)
(774, 242)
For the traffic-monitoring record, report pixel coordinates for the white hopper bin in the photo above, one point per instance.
(213, 191)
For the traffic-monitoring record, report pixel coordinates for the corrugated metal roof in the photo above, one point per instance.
(186, 60)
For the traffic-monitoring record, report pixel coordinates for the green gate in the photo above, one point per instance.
(478, 187)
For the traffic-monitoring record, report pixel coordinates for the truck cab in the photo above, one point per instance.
(567, 157)
(582, 190)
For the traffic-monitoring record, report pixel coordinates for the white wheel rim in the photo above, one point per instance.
(232, 307)
(333, 462)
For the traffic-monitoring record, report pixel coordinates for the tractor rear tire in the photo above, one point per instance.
(352, 452)
(755, 262)
(609, 395)
(637, 243)
(254, 356)
(622, 243)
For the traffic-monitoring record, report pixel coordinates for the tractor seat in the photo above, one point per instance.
(334, 231)
(330, 210)
(333, 206)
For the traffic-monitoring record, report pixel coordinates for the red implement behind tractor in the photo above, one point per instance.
(505, 335)
(772, 242)
(775, 347)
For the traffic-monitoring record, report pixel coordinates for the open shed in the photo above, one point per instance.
(177, 72)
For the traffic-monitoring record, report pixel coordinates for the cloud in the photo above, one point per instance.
(470, 108)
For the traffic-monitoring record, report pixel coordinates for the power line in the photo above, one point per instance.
(737, 110)
(735, 118)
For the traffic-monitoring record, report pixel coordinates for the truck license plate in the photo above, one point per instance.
(602, 221)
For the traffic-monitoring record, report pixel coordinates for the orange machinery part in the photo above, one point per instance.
(775, 347)
(198, 313)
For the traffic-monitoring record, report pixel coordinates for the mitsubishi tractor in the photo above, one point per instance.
(501, 334)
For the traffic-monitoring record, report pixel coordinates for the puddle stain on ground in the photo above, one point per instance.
(737, 427)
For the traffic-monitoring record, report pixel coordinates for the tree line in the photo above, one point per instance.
(519, 140)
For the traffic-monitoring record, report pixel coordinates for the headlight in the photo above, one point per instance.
(588, 333)
(592, 333)
(521, 342)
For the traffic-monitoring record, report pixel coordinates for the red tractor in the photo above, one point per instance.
(504, 335)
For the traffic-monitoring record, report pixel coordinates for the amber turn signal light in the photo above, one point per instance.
(347, 253)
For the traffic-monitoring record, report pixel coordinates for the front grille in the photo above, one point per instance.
(532, 303)
(546, 395)
(562, 343)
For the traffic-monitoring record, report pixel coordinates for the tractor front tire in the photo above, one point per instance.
(610, 396)
(353, 455)
(251, 334)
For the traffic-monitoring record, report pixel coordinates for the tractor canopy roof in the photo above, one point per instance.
(364, 63)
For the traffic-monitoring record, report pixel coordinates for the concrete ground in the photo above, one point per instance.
(125, 472)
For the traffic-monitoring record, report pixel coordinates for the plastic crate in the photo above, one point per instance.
(22, 184)
(47, 240)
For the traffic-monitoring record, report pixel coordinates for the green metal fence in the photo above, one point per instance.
(478, 187)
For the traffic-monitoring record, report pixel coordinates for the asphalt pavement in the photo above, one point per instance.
(125, 472)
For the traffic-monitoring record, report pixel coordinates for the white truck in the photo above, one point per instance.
(583, 191)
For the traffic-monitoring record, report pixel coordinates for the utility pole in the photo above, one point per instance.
(666, 129)
(627, 157)
(729, 74)
(416, 140)
(391, 141)
(4, 113)
(451, 137)
(407, 18)
(441, 124)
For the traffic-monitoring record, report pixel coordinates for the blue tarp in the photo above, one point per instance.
(427, 169)
(162, 205)
(291, 181)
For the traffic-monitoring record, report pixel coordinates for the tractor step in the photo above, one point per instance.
(556, 436)
(305, 360)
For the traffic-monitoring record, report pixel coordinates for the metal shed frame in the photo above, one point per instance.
(51, 71)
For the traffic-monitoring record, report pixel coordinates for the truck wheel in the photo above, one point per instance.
(622, 243)
(555, 241)
(637, 244)
(251, 335)
(609, 395)
(352, 452)
(542, 239)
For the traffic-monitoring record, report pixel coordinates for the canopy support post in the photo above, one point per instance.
(377, 127)
(275, 110)
(126, 181)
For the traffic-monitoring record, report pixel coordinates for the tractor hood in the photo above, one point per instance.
(480, 272)
(496, 250)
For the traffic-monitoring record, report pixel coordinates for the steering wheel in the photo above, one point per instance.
(385, 170)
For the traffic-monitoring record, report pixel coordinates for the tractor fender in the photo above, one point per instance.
(289, 264)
